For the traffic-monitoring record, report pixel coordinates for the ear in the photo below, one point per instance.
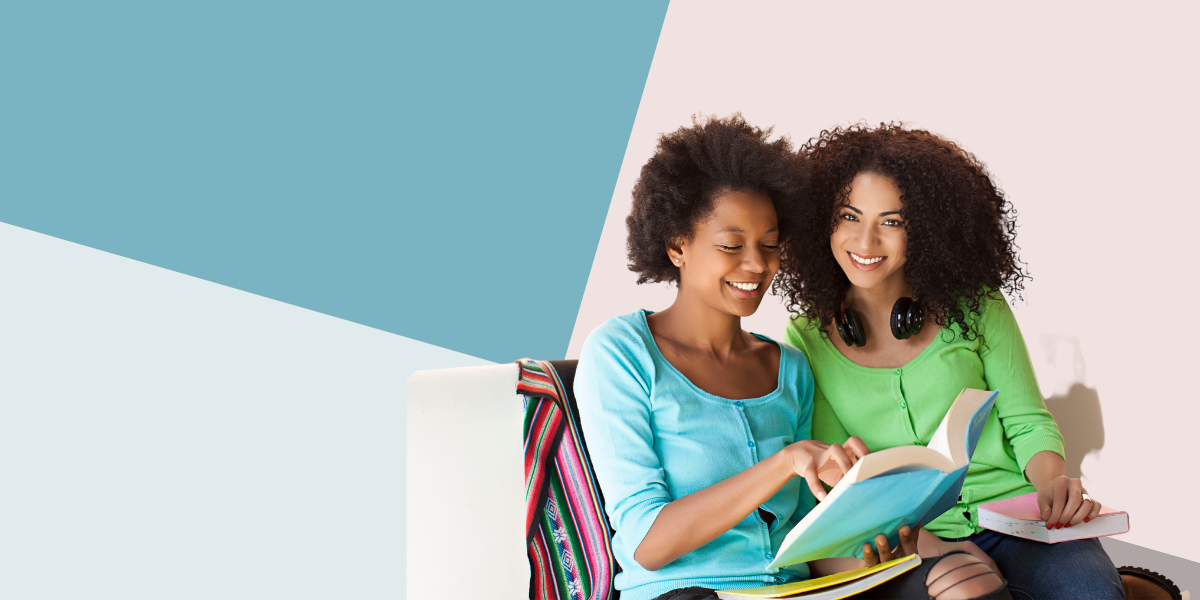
(675, 251)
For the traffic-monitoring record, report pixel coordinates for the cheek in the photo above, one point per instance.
(900, 245)
(835, 242)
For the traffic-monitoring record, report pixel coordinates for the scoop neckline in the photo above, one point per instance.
(779, 380)
(879, 370)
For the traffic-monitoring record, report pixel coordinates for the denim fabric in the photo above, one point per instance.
(1038, 571)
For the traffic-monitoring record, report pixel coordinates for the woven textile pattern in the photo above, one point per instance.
(567, 534)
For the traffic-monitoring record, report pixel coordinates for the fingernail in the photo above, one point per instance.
(1059, 526)
(1049, 525)
(1067, 525)
(1087, 519)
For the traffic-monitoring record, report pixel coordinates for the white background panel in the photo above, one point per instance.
(1085, 116)
(166, 437)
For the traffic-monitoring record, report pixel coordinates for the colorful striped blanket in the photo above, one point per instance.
(567, 533)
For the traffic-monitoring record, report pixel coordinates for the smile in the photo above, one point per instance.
(746, 290)
(866, 261)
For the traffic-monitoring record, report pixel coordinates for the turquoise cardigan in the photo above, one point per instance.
(653, 436)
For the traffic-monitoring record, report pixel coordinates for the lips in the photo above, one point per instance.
(866, 262)
(745, 289)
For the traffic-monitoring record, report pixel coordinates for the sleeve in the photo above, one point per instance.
(826, 426)
(613, 381)
(1029, 427)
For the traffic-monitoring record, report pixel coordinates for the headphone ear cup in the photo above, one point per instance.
(855, 326)
(899, 320)
(915, 319)
(839, 323)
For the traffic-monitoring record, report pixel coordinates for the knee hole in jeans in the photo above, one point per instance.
(961, 576)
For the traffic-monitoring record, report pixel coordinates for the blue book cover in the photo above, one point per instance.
(891, 488)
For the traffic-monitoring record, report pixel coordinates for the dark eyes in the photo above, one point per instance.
(887, 222)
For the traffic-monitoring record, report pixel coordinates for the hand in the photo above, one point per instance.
(817, 461)
(908, 545)
(1063, 505)
(831, 472)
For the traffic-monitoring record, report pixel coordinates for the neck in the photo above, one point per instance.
(874, 305)
(694, 324)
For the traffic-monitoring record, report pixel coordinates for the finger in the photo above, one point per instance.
(1045, 504)
(1074, 500)
(869, 557)
(1081, 513)
(838, 454)
(814, 481)
(881, 547)
(908, 540)
(855, 446)
(1095, 512)
(1059, 495)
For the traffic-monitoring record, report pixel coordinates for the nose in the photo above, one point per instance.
(866, 238)
(755, 261)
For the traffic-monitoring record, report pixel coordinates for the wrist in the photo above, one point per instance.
(786, 461)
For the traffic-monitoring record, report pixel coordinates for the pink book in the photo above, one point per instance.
(1021, 517)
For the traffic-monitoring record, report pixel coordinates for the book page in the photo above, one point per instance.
(896, 460)
(960, 429)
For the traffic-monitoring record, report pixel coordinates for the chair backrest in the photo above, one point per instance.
(465, 499)
(466, 482)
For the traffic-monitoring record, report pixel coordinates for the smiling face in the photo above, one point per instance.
(733, 255)
(870, 241)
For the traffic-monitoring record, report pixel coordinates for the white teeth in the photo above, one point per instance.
(866, 261)
(749, 287)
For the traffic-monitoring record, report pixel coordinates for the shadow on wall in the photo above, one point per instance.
(1076, 407)
(1081, 423)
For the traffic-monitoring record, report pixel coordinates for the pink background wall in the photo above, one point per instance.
(1086, 117)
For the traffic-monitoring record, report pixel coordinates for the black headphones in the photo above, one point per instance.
(907, 318)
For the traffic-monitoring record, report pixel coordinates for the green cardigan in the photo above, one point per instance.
(899, 407)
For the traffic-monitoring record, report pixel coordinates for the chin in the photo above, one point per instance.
(743, 311)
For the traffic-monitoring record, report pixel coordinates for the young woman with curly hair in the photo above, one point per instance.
(915, 222)
(699, 432)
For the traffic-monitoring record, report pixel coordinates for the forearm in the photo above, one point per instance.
(1044, 467)
(698, 518)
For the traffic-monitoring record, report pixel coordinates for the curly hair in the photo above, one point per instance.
(690, 168)
(961, 230)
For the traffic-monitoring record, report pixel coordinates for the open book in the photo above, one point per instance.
(891, 488)
(1020, 516)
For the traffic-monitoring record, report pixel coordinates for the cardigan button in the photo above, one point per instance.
(898, 371)
(737, 403)
(750, 443)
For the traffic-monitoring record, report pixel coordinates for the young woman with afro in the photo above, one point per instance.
(699, 432)
(900, 221)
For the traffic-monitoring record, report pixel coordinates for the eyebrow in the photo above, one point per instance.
(882, 214)
(740, 230)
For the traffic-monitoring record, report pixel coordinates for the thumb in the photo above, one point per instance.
(1044, 505)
